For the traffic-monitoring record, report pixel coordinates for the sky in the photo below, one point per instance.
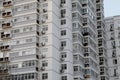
(111, 7)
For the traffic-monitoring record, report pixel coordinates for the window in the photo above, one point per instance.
(111, 27)
(101, 59)
(28, 40)
(115, 72)
(74, 15)
(45, 39)
(63, 43)
(76, 78)
(99, 33)
(16, 31)
(75, 57)
(45, 28)
(74, 25)
(74, 5)
(17, 42)
(100, 50)
(113, 53)
(76, 68)
(45, 76)
(64, 66)
(44, 64)
(45, 16)
(63, 22)
(63, 32)
(63, 55)
(114, 61)
(100, 41)
(63, 12)
(113, 44)
(103, 78)
(63, 1)
(14, 66)
(64, 77)
(86, 49)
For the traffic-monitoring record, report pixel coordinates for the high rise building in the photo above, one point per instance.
(103, 65)
(113, 46)
(51, 40)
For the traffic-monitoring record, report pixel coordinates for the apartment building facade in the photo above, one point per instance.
(113, 43)
(101, 35)
(48, 40)
(84, 40)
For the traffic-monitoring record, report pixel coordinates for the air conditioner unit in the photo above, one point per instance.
(62, 59)
(42, 68)
(62, 71)
(62, 48)
(44, 10)
(42, 32)
(43, 55)
(42, 43)
(43, 21)
(61, 5)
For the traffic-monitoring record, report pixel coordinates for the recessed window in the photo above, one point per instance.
(44, 64)
(63, 22)
(64, 78)
(63, 43)
(45, 76)
(76, 68)
(63, 12)
(63, 1)
(115, 61)
(63, 32)
(63, 55)
(64, 66)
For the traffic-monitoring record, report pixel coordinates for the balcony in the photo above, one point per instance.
(24, 70)
(86, 76)
(4, 60)
(85, 44)
(6, 25)
(26, 57)
(97, 1)
(5, 36)
(7, 4)
(7, 14)
(86, 33)
(78, 74)
(5, 48)
(4, 72)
